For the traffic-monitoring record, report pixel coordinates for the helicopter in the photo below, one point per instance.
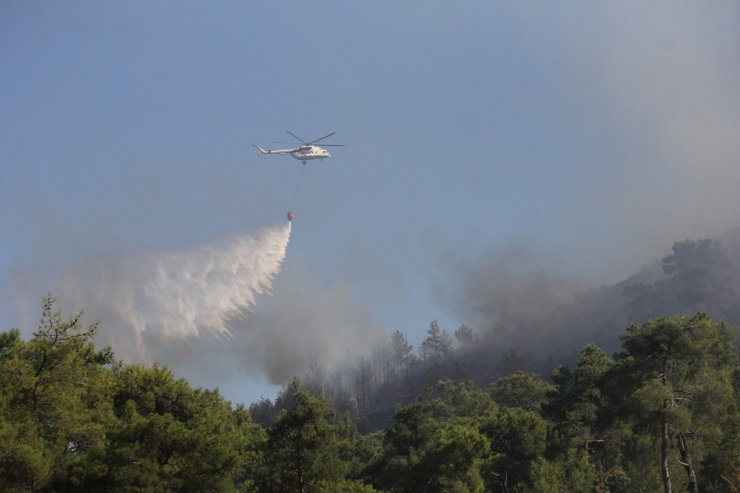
(306, 152)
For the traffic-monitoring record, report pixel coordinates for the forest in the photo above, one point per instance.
(651, 406)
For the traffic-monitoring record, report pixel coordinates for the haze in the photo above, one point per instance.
(572, 142)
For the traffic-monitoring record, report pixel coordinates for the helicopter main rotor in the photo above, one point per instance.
(317, 140)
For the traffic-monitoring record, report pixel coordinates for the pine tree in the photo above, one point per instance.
(302, 452)
(680, 380)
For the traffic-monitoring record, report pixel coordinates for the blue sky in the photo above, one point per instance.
(588, 136)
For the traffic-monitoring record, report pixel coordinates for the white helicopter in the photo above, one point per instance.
(306, 152)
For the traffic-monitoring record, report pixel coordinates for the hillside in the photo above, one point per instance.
(396, 372)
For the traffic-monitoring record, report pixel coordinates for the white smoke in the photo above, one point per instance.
(171, 297)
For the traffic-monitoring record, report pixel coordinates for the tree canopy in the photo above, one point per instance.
(661, 414)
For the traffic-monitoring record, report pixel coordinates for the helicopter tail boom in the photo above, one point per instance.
(273, 151)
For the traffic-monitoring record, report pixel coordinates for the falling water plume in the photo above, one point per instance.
(179, 295)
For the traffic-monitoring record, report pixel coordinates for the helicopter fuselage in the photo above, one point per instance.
(310, 152)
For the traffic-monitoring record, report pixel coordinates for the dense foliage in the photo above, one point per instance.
(74, 419)
(661, 414)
